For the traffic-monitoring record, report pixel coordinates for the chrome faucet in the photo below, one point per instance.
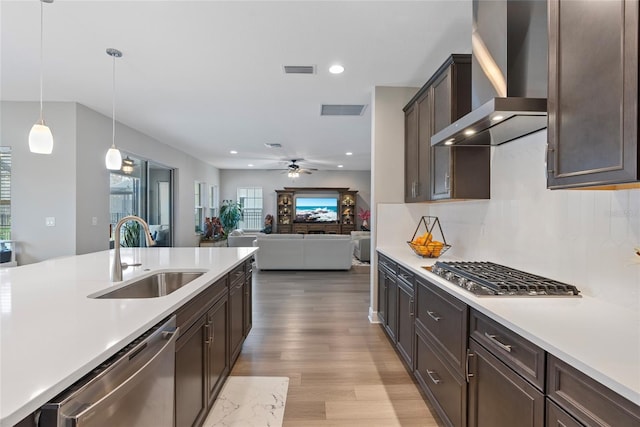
(116, 269)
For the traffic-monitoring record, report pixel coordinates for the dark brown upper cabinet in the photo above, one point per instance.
(435, 173)
(593, 94)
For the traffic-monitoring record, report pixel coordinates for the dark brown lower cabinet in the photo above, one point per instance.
(236, 319)
(191, 367)
(391, 320)
(498, 397)
(382, 296)
(445, 388)
(217, 354)
(405, 322)
(557, 417)
(248, 299)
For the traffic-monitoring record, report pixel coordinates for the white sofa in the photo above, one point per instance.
(239, 238)
(361, 245)
(304, 252)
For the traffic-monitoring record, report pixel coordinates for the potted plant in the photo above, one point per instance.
(364, 215)
(230, 215)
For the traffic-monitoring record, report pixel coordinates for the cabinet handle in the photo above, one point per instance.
(411, 307)
(505, 347)
(447, 184)
(207, 333)
(468, 374)
(434, 315)
(435, 380)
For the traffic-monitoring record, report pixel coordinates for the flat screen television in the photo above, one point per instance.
(316, 209)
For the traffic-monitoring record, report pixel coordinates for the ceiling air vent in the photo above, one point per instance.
(342, 110)
(272, 145)
(299, 69)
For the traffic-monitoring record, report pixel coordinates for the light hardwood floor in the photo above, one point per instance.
(312, 327)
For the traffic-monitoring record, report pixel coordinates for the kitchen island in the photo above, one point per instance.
(599, 339)
(52, 333)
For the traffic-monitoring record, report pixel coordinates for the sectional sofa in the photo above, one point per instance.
(304, 252)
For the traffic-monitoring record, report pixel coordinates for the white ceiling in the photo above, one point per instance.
(206, 76)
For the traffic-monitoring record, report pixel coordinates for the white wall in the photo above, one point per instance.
(387, 163)
(271, 180)
(72, 184)
(583, 237)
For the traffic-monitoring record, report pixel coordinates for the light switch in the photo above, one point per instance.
(94, 220)
(50, 221)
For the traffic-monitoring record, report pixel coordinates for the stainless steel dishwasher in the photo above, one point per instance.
(135, 387)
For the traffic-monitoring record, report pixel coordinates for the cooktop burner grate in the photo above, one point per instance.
(487, 278)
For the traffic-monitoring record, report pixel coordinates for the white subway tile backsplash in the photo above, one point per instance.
(584, 237)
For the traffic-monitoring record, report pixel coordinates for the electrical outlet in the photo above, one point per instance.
(50, 221)
(94, 220)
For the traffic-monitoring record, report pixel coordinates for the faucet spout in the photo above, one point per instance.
(116, 268)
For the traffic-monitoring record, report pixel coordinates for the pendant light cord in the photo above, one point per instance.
(113, 105)
(41, 58)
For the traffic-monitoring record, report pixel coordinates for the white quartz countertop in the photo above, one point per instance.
(599, 339)
(52, 334)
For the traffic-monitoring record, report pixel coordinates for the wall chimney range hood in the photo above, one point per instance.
(509, 75)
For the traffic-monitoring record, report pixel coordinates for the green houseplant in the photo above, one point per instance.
(130, 235)
(230, 215)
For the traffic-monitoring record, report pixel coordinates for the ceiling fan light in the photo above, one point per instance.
(113, 159)
(40, 139)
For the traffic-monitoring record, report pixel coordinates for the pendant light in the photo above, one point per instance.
(40, 137)
(127, 165)
(113, 160)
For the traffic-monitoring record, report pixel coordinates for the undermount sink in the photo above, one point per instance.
(153, 286)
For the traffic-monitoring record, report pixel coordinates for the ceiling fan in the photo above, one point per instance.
(294, 170)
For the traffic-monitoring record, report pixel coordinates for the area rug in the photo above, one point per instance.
(250, 402)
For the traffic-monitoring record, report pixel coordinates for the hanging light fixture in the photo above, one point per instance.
(127, 165)
(293, 174)
(40, 137)
(113, 160)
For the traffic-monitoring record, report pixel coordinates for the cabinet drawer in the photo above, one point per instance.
(557, 417)
(445, 320)
(518, 353)
(587, 400)
(446, 390)
(406, 276)
(236, 275)
(189, 313)
(386, 264)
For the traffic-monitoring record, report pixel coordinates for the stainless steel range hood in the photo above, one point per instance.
(509, 75)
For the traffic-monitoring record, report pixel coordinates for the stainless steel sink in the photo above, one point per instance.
(154, 286)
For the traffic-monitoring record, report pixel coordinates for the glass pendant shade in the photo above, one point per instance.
(40, 139)
(113, 160)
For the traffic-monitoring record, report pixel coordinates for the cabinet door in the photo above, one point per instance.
(410, 153)
(425, 130)
(217, 349)
(248, 301)
(383, 297)
(405, 323)
(236, 319)
(441, 165)
(498, 397)
(557, 417)
(191, 366)
(593, 93)
(392, 307)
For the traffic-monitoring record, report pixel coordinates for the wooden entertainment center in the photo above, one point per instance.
(285, 219)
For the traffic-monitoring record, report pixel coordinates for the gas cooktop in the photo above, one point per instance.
(489, 279)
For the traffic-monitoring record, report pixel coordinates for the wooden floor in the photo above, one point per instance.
(312, 327)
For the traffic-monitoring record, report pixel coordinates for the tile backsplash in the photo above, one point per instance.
(583, 237)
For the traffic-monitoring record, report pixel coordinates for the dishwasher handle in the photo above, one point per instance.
(82, 418)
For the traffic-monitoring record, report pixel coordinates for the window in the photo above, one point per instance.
(250, 199)
(214, 201)
(145, 191)
(5, 193)
(198, 191)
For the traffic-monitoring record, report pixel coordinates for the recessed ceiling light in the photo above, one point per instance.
(469, 132)
(449, 141)
(336, 69)
(497, 118)
(349, 153)
(233, 152)
(250, 165)
(340, 166)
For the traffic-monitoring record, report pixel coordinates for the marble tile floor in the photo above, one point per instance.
(249, 401)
